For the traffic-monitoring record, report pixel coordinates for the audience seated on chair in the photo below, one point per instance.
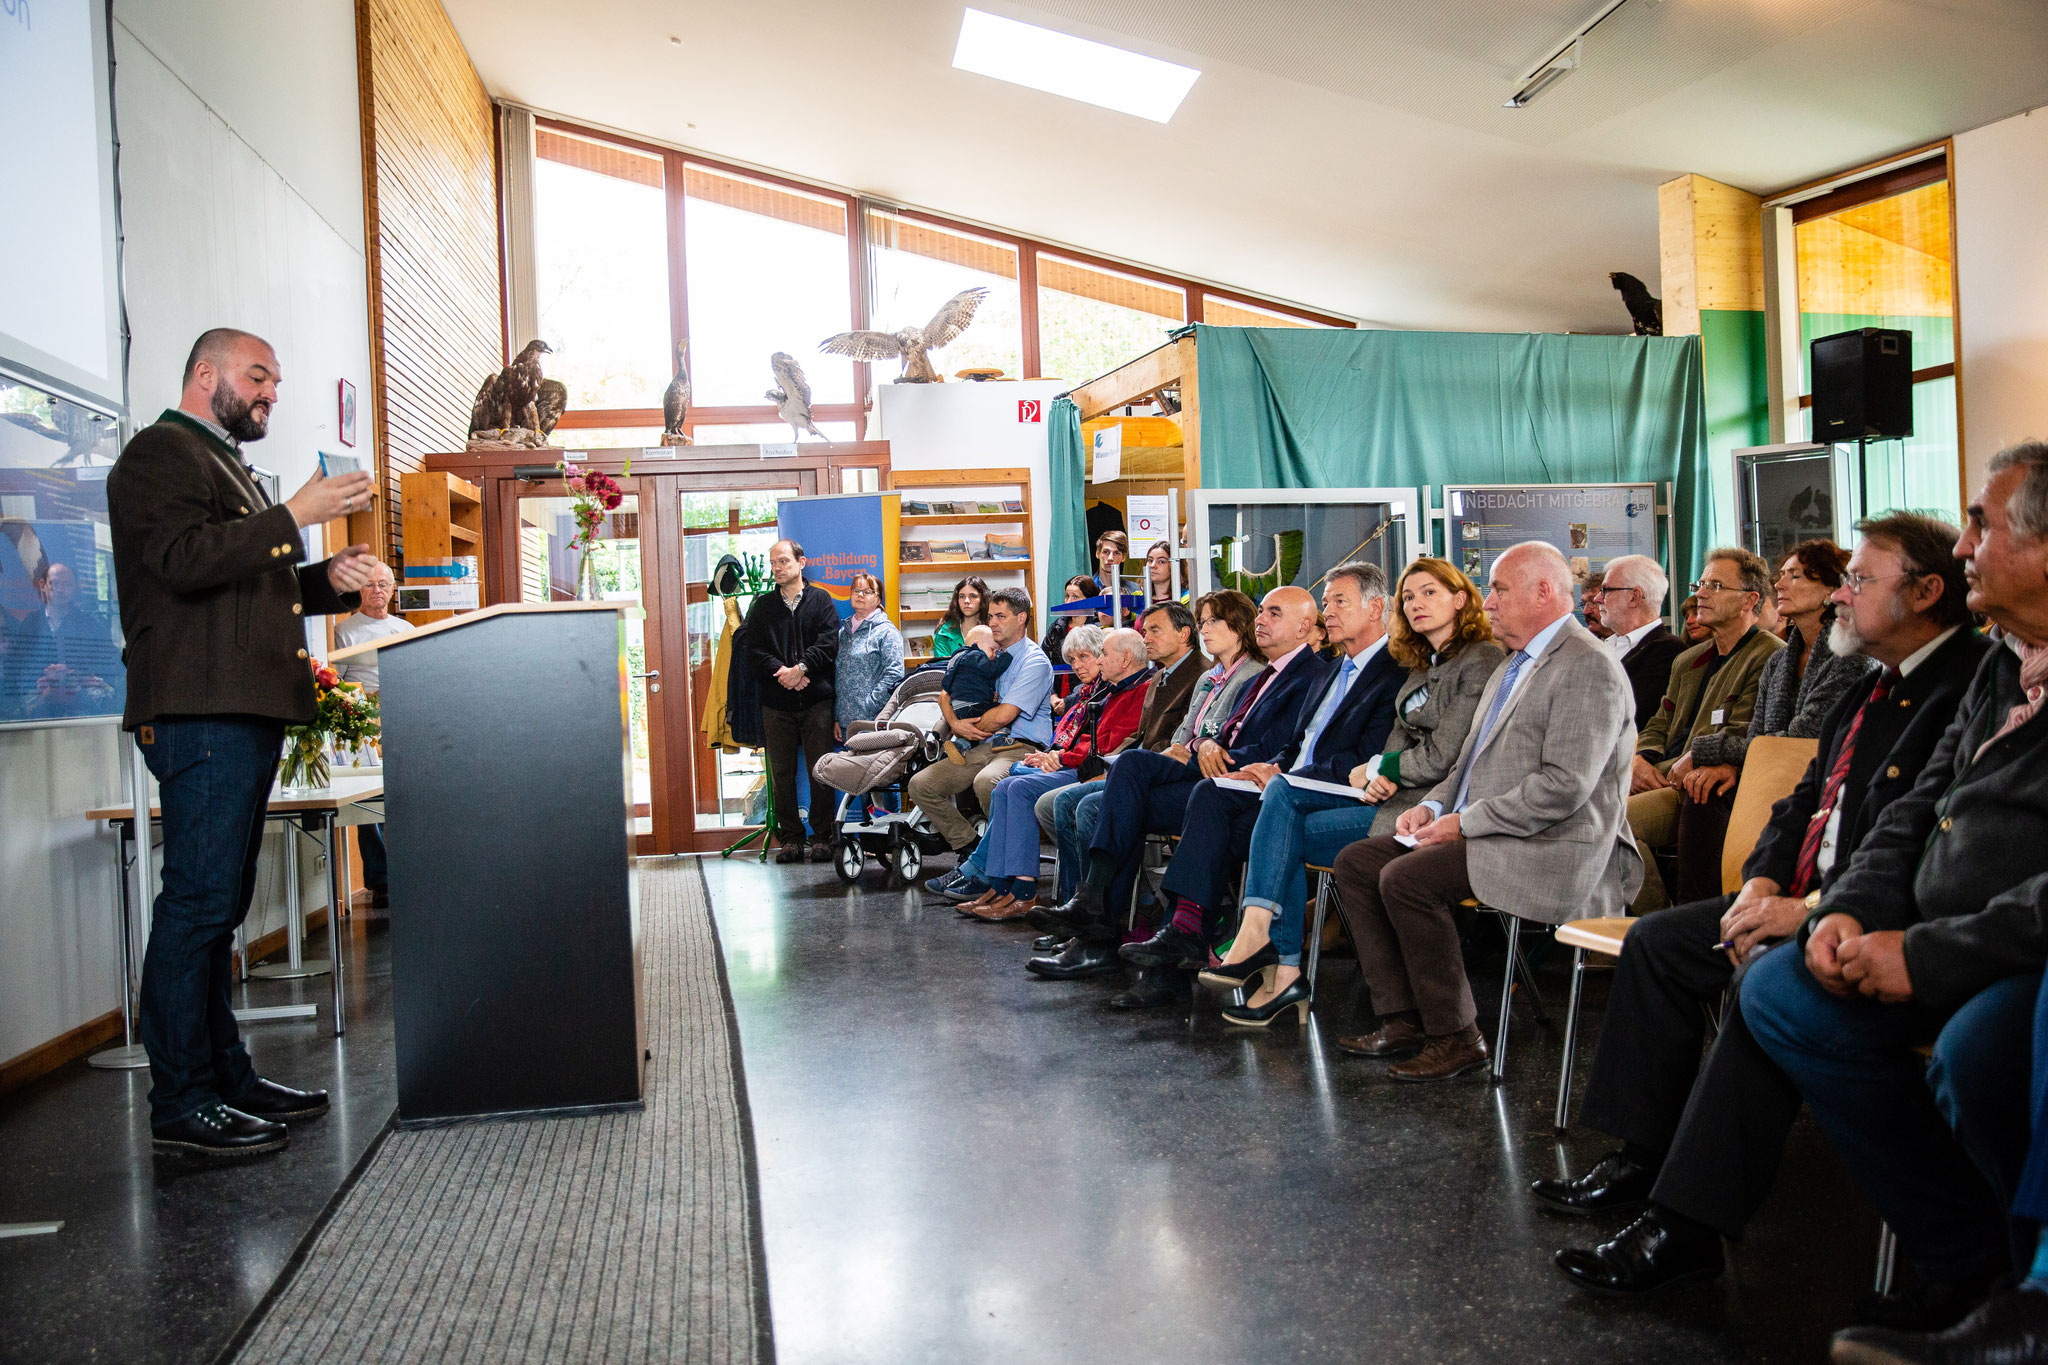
(1346, 721)
(1442, 637)
(1936, 934)
(1630, 600)
(1700, 1142)
(1529, 820)
(1711, 694)
(1151, 793)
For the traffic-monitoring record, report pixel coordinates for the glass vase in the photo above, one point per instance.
(303, 771)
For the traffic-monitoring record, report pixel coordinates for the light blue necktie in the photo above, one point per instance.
(1324, 712)
(1500, 700)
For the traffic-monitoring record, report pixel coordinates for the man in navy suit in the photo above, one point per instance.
(1344, 722)
(1149, 793)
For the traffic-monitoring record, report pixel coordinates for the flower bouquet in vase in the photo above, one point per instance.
(343, 715)
(593, 497)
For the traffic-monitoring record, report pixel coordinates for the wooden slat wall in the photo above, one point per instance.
(431, 203)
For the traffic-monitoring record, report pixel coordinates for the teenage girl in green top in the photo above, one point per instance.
(968, 609)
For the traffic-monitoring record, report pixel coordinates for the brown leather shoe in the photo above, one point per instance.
(1003, 914)
(990, 906)
(1444, 1056)
(1397, 1036)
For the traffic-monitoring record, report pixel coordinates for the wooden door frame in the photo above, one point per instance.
(657, 478)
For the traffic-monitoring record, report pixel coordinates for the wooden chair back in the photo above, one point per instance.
(1770, 770)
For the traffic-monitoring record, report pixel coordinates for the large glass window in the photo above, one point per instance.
(1887, 262)
(601, 268)
(917, 266)
(1092, 320)
(768, 271)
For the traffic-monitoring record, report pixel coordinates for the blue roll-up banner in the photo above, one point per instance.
(843, 534)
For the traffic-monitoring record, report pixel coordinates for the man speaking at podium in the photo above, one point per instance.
(213, 605)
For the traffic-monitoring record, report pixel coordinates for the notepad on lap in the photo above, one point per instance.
(1329, 788)
(1237, 784)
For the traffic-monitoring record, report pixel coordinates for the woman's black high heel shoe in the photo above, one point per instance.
(1231, 976)
(1295, 997)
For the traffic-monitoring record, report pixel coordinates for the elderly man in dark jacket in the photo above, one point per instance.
(1937, 933)
(213, 604)
(1701, 1143)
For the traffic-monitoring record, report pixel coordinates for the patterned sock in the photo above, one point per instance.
(1187, 916)
(2037, 1278)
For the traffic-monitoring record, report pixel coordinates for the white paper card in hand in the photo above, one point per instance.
(1405, 840)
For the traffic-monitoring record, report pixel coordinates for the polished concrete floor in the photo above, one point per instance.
(960, 1162)
(160, 1259)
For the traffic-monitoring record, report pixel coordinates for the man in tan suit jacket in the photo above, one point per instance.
(1532, 818)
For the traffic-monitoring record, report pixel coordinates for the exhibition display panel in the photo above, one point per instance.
(1785, 494)
(1590, 523)
(1258, 539)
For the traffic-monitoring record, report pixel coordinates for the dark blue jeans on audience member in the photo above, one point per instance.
(370, 838)
(214, 774)
(2031, 1199)
(1853, 1061)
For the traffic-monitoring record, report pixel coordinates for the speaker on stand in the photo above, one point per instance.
(1863, 391)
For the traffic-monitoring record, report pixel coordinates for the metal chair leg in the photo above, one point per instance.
(1571, 1038)
(1324, 889)
(1507, 997)
(1887, 1258)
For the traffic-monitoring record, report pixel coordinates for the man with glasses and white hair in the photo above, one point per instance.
(1631, 602)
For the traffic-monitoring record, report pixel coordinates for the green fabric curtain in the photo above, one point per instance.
(1068, 550)
(1287, 408)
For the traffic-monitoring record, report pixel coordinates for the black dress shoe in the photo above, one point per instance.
(1049, 943)
(790, 853)
(2007, 1328)
(1076, 961)
(1929, 1306)
(218, 1131)
(1170, 947)
(1235, 976)
(269, 1100)
(1643, 1257)
(1151, 988)
(1614, 1185)
(1083, 913)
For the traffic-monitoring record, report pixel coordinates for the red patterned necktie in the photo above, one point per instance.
(1251, 696)
(1808, 873)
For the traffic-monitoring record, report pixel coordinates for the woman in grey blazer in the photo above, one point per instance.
(1441, 633)
(1226, 619)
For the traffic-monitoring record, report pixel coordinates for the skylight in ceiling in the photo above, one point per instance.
(1061, 64)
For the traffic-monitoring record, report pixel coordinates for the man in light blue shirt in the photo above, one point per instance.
(1019, 723)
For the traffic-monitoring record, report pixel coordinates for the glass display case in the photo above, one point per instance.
(1258, 539)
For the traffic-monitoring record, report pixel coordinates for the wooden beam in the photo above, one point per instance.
(1136, 379)
(1190, 415)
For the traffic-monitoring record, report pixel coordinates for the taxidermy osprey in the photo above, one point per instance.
(1647, 312)
(675, 400)
(912, 345)
(792, 397)
(509, 398)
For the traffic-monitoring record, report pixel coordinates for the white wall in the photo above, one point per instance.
(2001, 189)
(241, 182)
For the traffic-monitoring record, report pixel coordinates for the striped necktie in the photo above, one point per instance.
(1500, 700)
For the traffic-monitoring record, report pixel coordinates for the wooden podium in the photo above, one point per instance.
(515, 943)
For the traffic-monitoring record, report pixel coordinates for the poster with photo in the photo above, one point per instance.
(1589, 523)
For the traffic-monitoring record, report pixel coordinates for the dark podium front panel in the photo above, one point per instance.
(514, 925)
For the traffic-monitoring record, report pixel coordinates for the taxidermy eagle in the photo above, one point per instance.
(792, 396)
(510, 398)
(912, 345)
(675, 400)
(1647, 311)
(552, 403)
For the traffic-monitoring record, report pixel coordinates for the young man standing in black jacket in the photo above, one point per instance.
(792, 644)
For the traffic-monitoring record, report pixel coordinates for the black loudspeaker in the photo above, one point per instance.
(1863, 385)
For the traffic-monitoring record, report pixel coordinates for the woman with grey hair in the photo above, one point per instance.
(1100, 716)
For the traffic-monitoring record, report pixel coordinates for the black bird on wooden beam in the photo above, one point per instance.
(1646, 310)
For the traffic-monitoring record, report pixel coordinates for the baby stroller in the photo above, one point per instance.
(881, 756)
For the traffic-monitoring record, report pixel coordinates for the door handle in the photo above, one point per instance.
(651, 673)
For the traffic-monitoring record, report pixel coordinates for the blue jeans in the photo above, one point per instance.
(1853, 1062)
(214, 774)
(1071, 834)
(1297, 827)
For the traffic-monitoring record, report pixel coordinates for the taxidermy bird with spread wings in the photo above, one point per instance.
(913, 345)
(792, 396)
(675, 400)
(510, 397)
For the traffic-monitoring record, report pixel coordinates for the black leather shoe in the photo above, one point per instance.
(269, 1100)
(1643, 1257)
(1614, 1185)
(1084, 913)
(790, 853)
(1234, 976)
(1151, 988)
(218, 1131)
(1929, 1306)
(1170, 947)
(2005, 1329)
(1049, 943)
(1076, 961)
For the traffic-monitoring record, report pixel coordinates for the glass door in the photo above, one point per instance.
(731, 783)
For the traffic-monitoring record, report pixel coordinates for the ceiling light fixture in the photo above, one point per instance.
(1074, 68)
(1563, 59)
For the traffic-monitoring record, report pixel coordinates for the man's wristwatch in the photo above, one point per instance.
(1812, 901)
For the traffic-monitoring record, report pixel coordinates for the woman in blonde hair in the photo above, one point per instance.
(1441, 634)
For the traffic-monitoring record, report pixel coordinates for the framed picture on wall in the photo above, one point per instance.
(348, 413)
